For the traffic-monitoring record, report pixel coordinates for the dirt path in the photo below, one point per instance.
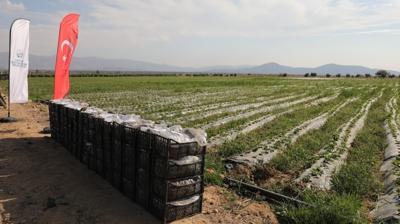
(40, 182)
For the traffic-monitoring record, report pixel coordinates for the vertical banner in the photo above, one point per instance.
(67, 41)
(19, 61)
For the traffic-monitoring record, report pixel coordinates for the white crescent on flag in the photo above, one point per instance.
(69, 44)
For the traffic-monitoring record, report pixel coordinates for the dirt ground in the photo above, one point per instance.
(40, 182)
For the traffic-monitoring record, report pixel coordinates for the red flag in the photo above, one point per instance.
(67, 41)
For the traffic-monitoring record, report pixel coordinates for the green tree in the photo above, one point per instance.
(382, 73)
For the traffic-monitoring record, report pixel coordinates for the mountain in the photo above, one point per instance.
(101, 64)
(274, 68)
(93, 64)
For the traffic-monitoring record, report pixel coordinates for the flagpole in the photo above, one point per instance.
(9, 70)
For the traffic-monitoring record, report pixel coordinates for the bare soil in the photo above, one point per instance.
(40, 182)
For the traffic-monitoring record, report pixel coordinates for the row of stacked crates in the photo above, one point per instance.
(163, 176)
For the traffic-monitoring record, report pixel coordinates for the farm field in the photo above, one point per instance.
(332, 143)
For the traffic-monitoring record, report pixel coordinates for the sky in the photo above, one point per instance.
(197, 33)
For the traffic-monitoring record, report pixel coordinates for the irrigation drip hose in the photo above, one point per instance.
(270, 195)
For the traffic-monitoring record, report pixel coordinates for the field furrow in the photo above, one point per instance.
(253, 112)
(319, 175)
(257, 120)
(273, 130)
(183, 110)
(302, 153)
(269, 149)
(239, 108)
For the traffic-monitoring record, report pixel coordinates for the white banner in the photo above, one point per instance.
(19, 61)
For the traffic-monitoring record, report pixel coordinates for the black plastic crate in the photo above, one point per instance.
(64, 126)
(58, 123)
(98, 140)
(92, 162)
(55, 120)
(116, 154)
(177, 189)
(117, 179)
(87, 135)
(171, 169)
(172, 150)
(171, 211)
(71, 123)
(142, 187)
(100, 168)
(128, 188)
(145, 141)
(60, 133)
(75, 133)
(91, 131)
(143, 168)
(143, 160)
(52, 118)
(85, 153)
(107, 142)
(98, 145)
(117, 132)
(128, 153)
(79, 135)
(128, 162)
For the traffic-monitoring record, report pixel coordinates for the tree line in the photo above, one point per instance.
(379, 74)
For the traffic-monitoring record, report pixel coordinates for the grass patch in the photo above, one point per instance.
(327, 208)
(214, 170)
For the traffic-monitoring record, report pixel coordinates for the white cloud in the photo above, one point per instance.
(162, 20)
(8, 6)
(207, 32)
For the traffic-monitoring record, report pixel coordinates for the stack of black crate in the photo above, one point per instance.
(128, 161)
(53, 120)
(176, 184)
(149, 169)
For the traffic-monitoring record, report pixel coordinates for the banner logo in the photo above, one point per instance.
(18, 61)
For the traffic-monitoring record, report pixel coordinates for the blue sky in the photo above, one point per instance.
(219, 32)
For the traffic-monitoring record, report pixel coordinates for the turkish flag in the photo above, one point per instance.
(67, 41)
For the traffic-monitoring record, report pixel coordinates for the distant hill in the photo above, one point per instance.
(101, 64)
(93, 63)
(324, 69)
